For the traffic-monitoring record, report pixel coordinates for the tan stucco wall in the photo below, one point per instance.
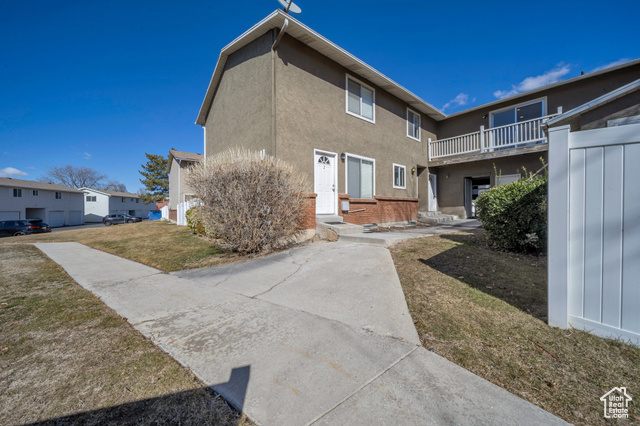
(451, 178)
(568, 96)
(240, 114)
(311, 113)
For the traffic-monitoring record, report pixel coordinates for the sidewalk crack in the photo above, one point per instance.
(363, 386)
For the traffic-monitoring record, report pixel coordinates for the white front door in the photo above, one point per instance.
(433, 193)
(325, 182)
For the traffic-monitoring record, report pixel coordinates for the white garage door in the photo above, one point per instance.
(75, 218)
(56, 219)
(9, 215)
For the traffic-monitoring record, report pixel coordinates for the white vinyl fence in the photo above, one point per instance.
(165, 212)
(594, 230)
(182, 210)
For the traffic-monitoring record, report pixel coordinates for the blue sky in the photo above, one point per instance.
(99, 83)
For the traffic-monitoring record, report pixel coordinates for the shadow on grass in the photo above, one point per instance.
(518, 279)
(195, 406)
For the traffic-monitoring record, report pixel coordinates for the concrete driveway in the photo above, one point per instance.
(319, 334)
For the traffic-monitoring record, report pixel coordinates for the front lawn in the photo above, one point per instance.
(486, 311)
(66, 358)
(159, 244)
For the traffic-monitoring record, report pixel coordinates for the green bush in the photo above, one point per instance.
(194, 222)
(515, 214)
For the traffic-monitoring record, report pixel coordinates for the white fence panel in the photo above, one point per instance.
(594, 230)
(165, 212)
(183, 208)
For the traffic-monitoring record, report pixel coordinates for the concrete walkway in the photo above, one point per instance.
(316, 335)
(387, 239)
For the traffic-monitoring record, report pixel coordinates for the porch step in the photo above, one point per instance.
(341, 228)
(324, 218)
(435, 218)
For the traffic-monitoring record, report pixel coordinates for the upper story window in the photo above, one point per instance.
(361, 100)
(518, 113)
(360, 176)
(91, 198)
(35, 193)
(58, 195)
(137, 200)
(413, 124)
(123, 199)
(17, 192)
(399, 176)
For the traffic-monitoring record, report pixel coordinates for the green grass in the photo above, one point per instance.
(159, 244)
(64, 353)
(486, 311)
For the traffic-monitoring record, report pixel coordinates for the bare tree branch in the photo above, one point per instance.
(74, 177)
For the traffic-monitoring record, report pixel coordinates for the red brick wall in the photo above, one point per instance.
(379, 209)
(310, 212)
(173, 215)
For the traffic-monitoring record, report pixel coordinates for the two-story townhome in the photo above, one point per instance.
(283, 89)
(55, 204)
(177, 166)
(99, 203)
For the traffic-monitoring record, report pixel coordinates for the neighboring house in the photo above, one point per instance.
(178, 163)
(99, 203)
(55, 204)
(361, 137)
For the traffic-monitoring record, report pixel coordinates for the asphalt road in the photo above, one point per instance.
(71, 228)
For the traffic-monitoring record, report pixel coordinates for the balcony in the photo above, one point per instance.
(518, 135)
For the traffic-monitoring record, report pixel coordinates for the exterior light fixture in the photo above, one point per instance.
(343, 156)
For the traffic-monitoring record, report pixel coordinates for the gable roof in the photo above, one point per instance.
(189, 156)
(112, 193)
(31, 184)
(182, 156)
(602, 100)
(317, 42)
(314, 40)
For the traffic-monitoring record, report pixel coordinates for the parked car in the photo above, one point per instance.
(115, 219)
(9, 228)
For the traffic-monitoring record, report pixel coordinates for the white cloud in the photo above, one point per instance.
(460, 100)
(11, 172)
(611, 64)
(534, 82)
(87, 156)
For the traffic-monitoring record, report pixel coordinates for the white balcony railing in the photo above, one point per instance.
(516, 135)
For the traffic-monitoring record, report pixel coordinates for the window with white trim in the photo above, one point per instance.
(361, 100)
(58, 195)
(517, 113)
(35, 193)
(360, 177)
(399, 176)
(413, 124)
(91, 198)
(17, 192)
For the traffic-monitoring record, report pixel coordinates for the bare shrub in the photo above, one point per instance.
(251, 203)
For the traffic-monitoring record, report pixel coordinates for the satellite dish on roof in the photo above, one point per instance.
(290, 6)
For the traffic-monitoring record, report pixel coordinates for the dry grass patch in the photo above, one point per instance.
(486, 311)
(64, 353)
(158, 244)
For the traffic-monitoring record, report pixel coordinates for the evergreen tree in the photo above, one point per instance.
(156, 179)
